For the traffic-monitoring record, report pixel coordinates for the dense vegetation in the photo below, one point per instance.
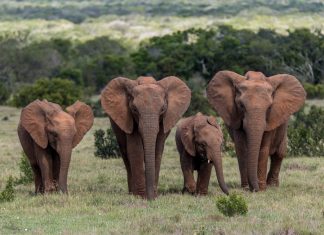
(194, 55)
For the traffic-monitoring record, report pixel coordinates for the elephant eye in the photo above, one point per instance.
(164, 108)
(134, 109)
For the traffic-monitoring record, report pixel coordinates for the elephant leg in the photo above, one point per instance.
(186, 162)
(39, 188)
(56, 170)
(135, 155)
(277, 156)
(263, 160)
(204, 173)
(161, 137)
(45, 163)
(241, 151)
(122, 143)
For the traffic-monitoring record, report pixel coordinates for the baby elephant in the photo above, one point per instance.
(199, 140)
(48, 135)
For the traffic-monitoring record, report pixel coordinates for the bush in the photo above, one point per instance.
(26, 173)
(228, 146)
(60, 91)
(314, 91)
(4, 93)
(106, 145)
(232, 205)
(8, 194)
(306, 132)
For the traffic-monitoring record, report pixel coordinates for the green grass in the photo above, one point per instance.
(99, 204)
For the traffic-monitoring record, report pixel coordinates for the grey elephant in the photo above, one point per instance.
(47, 135)
(199, 140)
(256, 110)
(142, 113)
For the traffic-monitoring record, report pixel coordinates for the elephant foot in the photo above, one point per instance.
(186, 190)
(245, 187)
(202, 193)
(273, 182)
(262, 185)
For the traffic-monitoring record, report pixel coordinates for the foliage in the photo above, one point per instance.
(228, 146)
(8, 194)
(204, 52)
(314, 91)
(4, 93)
(26, 173)
(306, 132)
(231, 205)
(60, 91)
(106, 145)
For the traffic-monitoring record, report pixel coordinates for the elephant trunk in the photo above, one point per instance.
(149, 130)
(65, 158)
(254, 127)
(217, 161)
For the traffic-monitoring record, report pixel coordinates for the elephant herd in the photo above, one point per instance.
(142, 112)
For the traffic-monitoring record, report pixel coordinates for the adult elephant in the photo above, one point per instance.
(256, 110)
(48, 135)
(142, 113)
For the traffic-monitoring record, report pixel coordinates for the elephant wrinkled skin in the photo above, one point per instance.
(256, 110)
(47, 135)
(142, 113)
(199, 140)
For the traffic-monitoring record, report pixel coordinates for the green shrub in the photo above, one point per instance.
(8, 194)
(4, 93)
(106, 145)
(314, 91)
(26, 173)
(232, 205)
(306, 132)
(60, 91)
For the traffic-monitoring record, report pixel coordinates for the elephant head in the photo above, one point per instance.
(256, 104)
(149, 104)
(50, 126)
(202, 136)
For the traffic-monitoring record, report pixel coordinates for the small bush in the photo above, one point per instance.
(232, 205)
(4, 93)
(8, 194)
(106, 145)
(306, 132)
(61, 91)
(26, 173)
(314, 91)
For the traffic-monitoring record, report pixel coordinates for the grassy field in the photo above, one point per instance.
(99, 204)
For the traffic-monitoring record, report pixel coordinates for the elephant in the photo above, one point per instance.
(142, 113)
(199, 139)
(47, 135)
(256, 111)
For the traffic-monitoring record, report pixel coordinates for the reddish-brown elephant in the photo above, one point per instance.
(256, 110)
(47, 135)
(199, 139)
(142, 113)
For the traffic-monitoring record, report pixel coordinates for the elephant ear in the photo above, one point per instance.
(178, 98)
(83, 117)
(221, 96)
(114, 100)
(33, 119)
(212, 121)
(187, 135)
(289, 96)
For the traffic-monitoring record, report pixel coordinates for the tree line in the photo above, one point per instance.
(194, 55)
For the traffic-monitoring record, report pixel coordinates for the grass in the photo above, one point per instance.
(99, 204)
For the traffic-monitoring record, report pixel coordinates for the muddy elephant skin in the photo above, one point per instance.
(142, 113)
(199, 140)
(47, 135)
(256, 110)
